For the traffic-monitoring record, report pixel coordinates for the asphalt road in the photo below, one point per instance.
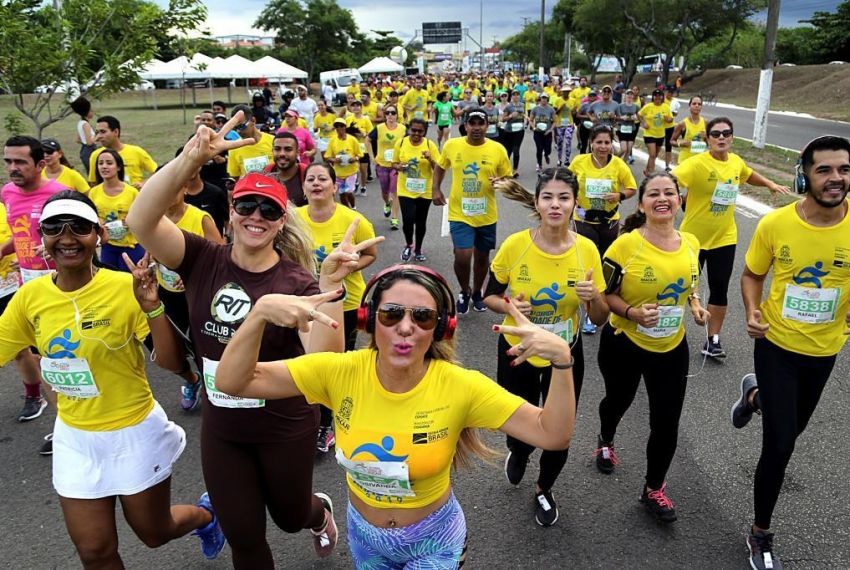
(789, 131)
(601, 523)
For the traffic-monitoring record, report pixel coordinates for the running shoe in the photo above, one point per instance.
(515, 468)
(370, 178)
(631, 160)
(606, 457)
(394, 224)
(362, 190)
(421, 257)
(538, 170)
(667, 169)
(546, 158)
(760, 548)
(47, 447)
(545, 509)
(712, 347)
(587, 327)
(387, 209)
(33, 406)
(516, 173)
(190, 395)
(462, 303)
(742, 413)
(212, 537)
(325, 439)
(478, 303)
(324, 540)
(406, 253)
(559, 164)
(658, 504)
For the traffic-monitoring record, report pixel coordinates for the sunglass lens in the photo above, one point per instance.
(244, 207)
(425, 318)
(270, 211)
(390, 315)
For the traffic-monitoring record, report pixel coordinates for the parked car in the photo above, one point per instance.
(144, 85)
(734, 67)
(837, 62)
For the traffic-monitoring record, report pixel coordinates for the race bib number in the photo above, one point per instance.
(445, 117)
(473, 206)
(597, 187)
(491, 130)
(725, 194)
(564, 329)
(565, 121)
(415, 185)
(343, 159)
(542, 126)
(418, 115)
(516, 127)
(588, 124)
(220, 399)
(669, 322)
(363, 149)
(115, 230)
(627, 129)
(30, 274)
(388, 155)
(255, 164)
(8, 284)
(698, 147)
(385, 478)
(657, 120)
(69, 377)
(169, 278)
(810, 305)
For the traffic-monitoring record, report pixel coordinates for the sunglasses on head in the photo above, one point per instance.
(726, 133)
(268, 209)
(78, 227)
(390, 314)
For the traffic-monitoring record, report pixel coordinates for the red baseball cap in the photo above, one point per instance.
(260, 185)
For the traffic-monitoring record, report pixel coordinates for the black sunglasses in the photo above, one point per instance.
(716, 134)
(78, 227)
(241, 127)
(390, 314)
(268, 210)
(390, 113)
(49, 151)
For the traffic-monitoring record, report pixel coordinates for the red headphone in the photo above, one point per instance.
(446, 322)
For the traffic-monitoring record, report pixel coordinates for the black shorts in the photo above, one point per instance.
(668, 139)
(627, 137)
(364, 159)
(657, 141)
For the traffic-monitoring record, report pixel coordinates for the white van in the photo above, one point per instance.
(340, 80)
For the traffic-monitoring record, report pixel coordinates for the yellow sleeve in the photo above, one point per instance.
(502, 263)
(397, 150)
(16, 332)
(625, 176)
(614, 251)
(445, 162)
(365, 230)
(503, 168)
(233, 168)
(759, 256)
(490, 404)
(434, 151)
(684, 172)
(93, 165)
(594, 262)
(147, 162)
(315, 375)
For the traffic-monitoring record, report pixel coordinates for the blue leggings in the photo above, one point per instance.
(437, 542)
(110, 255)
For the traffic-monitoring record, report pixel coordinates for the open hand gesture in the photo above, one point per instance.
(144, 282)
(534, 341)
(344, 259)
(292, 311)
(206, 143)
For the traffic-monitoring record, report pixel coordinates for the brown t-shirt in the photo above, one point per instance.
(220, 294)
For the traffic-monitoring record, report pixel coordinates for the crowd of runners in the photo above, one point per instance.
(241, 264)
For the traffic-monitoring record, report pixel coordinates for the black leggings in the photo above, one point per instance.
(622, 363)
(790, 386)
(602, 234)
(349, 327)
(414, 216)
(583, 136)
(243, 479)
(543, 146)
(719, 263)
(512, 141)
(532, 383)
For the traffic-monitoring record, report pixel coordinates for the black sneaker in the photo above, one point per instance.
(545, 509)
(658, 504)
(606, 458)
(32, 408)
(47, 447)
(478, 303)
(325, 439)
(406, 253)
(515, 468)
(462, 303)
(742, 413)
(712, 348)
(760, 547)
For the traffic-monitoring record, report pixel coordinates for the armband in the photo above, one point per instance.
(612, 272)
(156, 312)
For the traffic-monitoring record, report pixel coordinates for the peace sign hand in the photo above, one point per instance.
(534, 341)
(345, 258)
(144, 282)
(292, 311)
(206, 143)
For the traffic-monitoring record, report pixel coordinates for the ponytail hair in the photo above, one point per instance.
(515, 191)
(638, 219)
(295, 243)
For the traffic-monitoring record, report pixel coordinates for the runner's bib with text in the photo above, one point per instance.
(115, 230)
(565, 121)
(698, 147)
(169, 277)
(255, 164)
(69, 377)
(627, 129)
(8, 284)
(491, 130)
(473, 206)
(725, 194)
(386, 478)
(220, 399)
(542, 126)
(669, 322)
(810, 305)
(597, 187)
(30, 274)
(516, 127)
(415, 185)
(564, 329)
(388, 155)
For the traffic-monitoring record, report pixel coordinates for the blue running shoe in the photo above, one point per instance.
(189, 395)
(587, 327)
(212, 537)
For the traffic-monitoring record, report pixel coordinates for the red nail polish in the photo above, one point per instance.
(495, 327)
(513, 362)
(507, 299)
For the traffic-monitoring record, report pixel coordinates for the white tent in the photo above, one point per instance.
(178, 68)
(272, 68)
(233, 67)
(381, 65)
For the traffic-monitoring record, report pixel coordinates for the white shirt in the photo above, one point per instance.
(306, 109)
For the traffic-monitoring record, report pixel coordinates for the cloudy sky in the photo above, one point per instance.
(502, 18)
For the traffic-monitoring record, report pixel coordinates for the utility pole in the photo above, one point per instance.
(542, 27)
(766, 76)
(568, 44)
(481, 40)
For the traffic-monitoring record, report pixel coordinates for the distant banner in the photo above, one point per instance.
(441, 32)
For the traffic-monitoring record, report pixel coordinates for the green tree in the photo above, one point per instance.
(798, 45)
(746, 49)
(600, 35)
(315, 34)
(91, 47)
(832, 33)
(524, 47)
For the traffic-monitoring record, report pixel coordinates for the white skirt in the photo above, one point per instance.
(126, 461)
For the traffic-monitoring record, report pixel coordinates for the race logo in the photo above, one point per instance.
(471, 169)
(648, 275)
(379, 452)
(672, 292)
(230, 304)
(811, 274)
(343, 414)
(524, 277)
(62, 346)
(320, 254)
(784, 256)
(547, 297)
(413, 169)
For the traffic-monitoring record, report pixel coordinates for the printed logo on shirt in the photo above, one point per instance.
(648, 275)
(811, 274)
(320, 254)
(672, 292)
(784, 256)
(343, 414)
(95, 324)
(842, 257)
(230, 304)
(62, 346)
(379, 452)
(524, 277)
(547, 296)
(423, 438)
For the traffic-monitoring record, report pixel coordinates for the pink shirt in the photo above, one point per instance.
(305, 143)
(23, 212)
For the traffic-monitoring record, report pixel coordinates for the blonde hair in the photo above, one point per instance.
(294, 242)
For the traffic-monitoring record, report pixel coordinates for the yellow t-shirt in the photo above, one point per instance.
(652, 275)
(809, 297)
(107, 315)
(327, 235)
(251, 158)
(70, 178)
(564, 108)
(193, 223)
(353, 89)
(348, 149)
(594, 182)
(371, 111)
(655, 116)
(364, 125)
(387, 139)
(324, 125)
(473, 200)
(8, 279)
(113, 211)
(419, 428)
(418, 99)
(713, 186)
(137, 164)
(415, 181)
(546, 281)
(530, 99)
(578, 94)
(693, 133)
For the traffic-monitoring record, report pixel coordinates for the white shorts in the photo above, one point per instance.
(126, 461)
